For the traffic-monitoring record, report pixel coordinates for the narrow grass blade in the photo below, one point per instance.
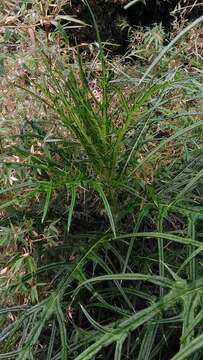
(194, 346)
(197, 320)
(124, 327)
(190, 303)
(46, 313)
(119, 346)
(105, 266)
(95, 324)
(107, 207)
(170, 45)
(156, 280)
(47, 201)
(135, 146)
(191, 234)
(161, 216)
(10, 355)
(38, 97)
(148, 340)
(63, 332)
(165, 142)
(143, 97)
(165, 236)
(72, 205)
(189, 186)
(10, 189)
(132, 2)
(51, 341)
(161, 344)
(190, 258)
(142, 213)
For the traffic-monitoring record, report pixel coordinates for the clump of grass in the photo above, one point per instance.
(110, 237)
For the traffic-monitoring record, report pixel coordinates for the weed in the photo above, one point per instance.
(100, 235)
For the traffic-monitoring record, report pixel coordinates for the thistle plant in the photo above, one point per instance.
(123, 287)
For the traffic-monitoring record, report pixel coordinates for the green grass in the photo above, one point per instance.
(101, 223)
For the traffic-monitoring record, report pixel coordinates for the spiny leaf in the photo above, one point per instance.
(154, 279)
